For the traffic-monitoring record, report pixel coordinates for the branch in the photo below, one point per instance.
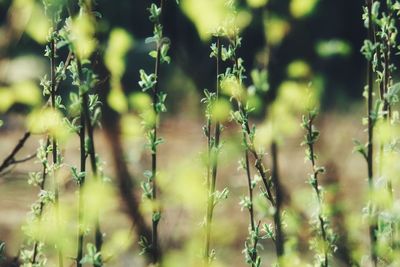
(10, 159)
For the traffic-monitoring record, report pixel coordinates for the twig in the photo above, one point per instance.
(10, 159)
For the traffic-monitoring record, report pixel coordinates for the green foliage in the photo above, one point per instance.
(233, 101)
(144, 245)
(92, 256)
(147, 81)
(260, 80)
(2, 250)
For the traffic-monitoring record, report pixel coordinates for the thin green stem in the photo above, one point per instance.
(370, 153)
(254, 253)
(250, 147)
(279, 236)
(54, 141)
(258, 161)
(155, 247)
(41, 207)
(81, 203)
(315, 184)
(213, 146)
(86, 124)
(93, 163)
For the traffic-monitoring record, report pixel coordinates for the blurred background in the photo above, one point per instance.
(315, 42)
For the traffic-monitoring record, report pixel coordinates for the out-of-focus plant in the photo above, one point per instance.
(323, 242)
(120, 42)
(207, 15)
(302, 8)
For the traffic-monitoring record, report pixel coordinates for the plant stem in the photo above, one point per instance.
(387, 78)
(279, 236)
(155, 248)
(250, 147)
(370, 154)
(260, 168)
(254, 254)
(86, 124)
(315, 184)
(93, 163)
(250, 187)
(10, 159)
(81, 204)
(54, 141)
(213, 163)
(86, 121)
(41, 186)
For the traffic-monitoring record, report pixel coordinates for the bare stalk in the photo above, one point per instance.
(10, 159)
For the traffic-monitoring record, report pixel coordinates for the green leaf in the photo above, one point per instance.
(2, 250)
(153, 54)
(147, 81)
(147, 190)
(160, 105)
(78, 177)
(214, 50)
(260, 80)
(92, 256)
(164, 53)
(144, 244)
(155, 13)
(392, 95)
(360, 148)
(148, 174)
(156, 217)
